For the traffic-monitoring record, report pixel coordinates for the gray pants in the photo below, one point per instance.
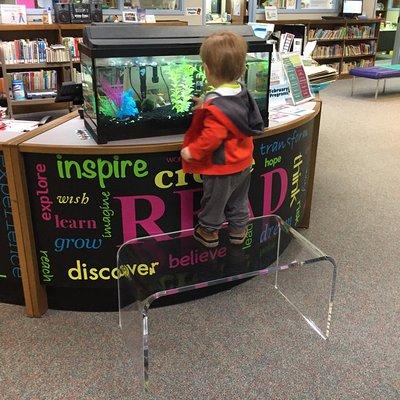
(225, 198)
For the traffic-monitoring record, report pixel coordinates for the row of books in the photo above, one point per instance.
(57, 53)
(24, 51)
(76, 76)
(327, 51)
(361, 31)
(37, 81)
(72, 43)
(360, 49)
(351, 32)
(347, 66)
(339, 33)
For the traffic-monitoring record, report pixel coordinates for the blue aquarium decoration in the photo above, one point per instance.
(128, 106)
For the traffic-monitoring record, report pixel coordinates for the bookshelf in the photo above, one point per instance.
(54, 35)
(55, 72)
(37, 75)
(342, 43)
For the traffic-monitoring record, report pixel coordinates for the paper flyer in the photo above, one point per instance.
(296, 77)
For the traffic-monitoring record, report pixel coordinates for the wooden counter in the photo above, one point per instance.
(10, 272)
(79, 201)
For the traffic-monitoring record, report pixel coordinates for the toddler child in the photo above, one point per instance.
(219, 143)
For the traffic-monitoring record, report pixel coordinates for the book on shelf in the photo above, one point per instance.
(361, 31)
(72, 44)
(36, 81)
(339, 33)
(360, 49)
(76, 76)
(24, 51)
(57, 53)
(347, 66)
(328, 51)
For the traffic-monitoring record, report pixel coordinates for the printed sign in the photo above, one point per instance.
(85, 207)
(10, 273)
(13, 14)
(194, 11)
(298, 82)
(278, 94)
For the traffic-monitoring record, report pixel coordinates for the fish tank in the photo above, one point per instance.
(139, 81)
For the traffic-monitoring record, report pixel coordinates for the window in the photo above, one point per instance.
(281, 4)
(318, 4)
(298, 5)
(154, 4)
(108, 6)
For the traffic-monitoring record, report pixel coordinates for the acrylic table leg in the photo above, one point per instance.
(352, 85)
(145, 351)
(377, 88)
(384, 86)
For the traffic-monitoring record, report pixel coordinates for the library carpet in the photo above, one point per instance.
(244, 343)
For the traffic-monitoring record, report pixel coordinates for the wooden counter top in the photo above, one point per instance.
(60, 136)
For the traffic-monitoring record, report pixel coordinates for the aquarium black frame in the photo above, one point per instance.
(128, 40)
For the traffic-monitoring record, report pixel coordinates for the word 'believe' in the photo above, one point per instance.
(194, 257)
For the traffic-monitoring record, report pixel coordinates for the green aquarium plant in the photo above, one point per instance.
(180, 76)
(107, 107)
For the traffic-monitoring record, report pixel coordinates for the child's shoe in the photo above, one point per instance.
(237, 236)
(206, 237)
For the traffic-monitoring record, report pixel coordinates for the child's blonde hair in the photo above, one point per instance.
(224, 53)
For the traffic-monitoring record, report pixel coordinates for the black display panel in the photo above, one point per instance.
(10, 273)
(85, 206)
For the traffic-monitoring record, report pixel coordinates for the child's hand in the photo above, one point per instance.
(198, 102)
(185, 154)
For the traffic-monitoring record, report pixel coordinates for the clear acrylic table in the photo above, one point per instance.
(165, 265)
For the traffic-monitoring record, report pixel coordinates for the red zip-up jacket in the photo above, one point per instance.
(220, 135)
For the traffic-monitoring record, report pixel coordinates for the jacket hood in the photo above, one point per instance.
(242, 110)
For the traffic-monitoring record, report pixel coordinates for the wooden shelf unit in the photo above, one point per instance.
(334, 24)
(54, 34)
(33, 102)
(26, 66)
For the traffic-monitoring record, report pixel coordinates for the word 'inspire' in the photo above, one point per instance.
(100, 169)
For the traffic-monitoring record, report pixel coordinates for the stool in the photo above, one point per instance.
(171, 263)
(376, 73)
